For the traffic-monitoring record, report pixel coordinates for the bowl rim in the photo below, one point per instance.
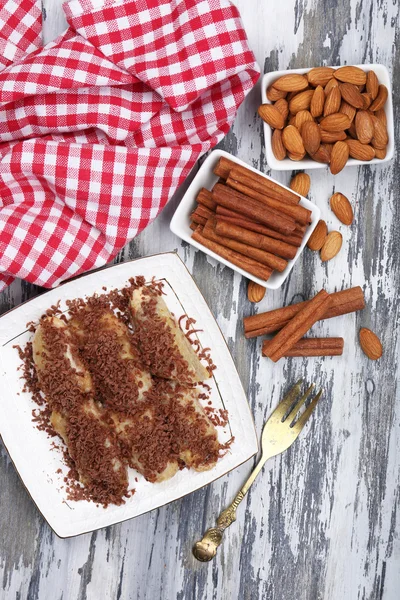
(187, 203)
(290, 165)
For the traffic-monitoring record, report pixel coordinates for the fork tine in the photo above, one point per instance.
(298, 426)
(287, 401)
(299, 403)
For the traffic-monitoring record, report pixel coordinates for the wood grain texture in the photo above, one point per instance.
(322, 522)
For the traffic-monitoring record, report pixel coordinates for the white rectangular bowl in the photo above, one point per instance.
(180, 223)
(30, 449)
(307, 163)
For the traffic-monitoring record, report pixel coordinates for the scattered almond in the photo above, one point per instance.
(332, 102)
(331, 246)
(353, 75)
(273, 94)
(339, 157)
(372, 84)
(255, 292)
(342, 208)
(301, 184)
(352, 95)
(291, 83)
(311, 135)
(271, 115)
(380, 100)
(318, 236)
(364, 127)
(370, 344)
(336, 122)
(317, 102)
(320, 76)
(292, 140)
(360, 151)
(278, 148)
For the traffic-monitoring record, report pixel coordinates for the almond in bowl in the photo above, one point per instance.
(336, 116)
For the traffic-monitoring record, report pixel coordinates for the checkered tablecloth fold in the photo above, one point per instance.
(99, 128)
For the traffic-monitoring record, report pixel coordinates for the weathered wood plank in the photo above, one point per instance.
(322, 523)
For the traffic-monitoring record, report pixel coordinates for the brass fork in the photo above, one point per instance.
(280, 431)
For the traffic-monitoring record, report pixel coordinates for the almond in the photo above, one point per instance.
(380, 153)
(364, 127)
(292, 120)
(271, 115)
(317, 102)
(323, 154)
(352, 131)
(332, 102)
(367, 98)
(348, 110)
(292, 141)
(273, 94)
(372, 84)
(291, 83)
(301, 101)
(342, 208)
(360, 151)
(351, 95)
(302, 117)
(336, 122)
(381, 115)
(296, 156)
(353, 75)
(301, 184)
(278, 148)
(339, 157)
(255, 292)
(380, 100)
(283, 107)
(318, 236)
(380, 139)
(320, 76)
(311, 136)
(370, 344)
(331, 246)
(330, 137)
(330, 85)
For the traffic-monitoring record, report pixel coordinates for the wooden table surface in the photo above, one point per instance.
(323, 520)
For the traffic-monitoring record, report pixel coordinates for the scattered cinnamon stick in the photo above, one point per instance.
(311, 347)
(298, 326)
(257, 240)
(252, 209)
(259, 182)
(266, 258)
(342, 303)
(247, 264)
(241, 184)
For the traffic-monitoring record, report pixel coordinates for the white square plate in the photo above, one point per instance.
(180, 223)
(30, 449)
(307, 163)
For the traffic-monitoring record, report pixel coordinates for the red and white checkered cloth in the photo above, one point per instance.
(99, 127)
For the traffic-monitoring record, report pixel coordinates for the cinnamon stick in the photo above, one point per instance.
(193, 226)
(266, 258)
(239, 260)
(195, 218)
(260, 183)
(252, 209)
(242, 184)
(203, 211)
(298, 326)
(204, 197)
(311, 347)
(343, 302)
(257, 240)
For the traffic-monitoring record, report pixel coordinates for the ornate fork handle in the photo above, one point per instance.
(206, 549)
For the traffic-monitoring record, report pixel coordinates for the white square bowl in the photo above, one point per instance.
(180, 223)
(31, 450)
(307, 163)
